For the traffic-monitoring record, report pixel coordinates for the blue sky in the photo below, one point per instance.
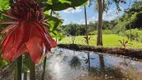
(71, 15)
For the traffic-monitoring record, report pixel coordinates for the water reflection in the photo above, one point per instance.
(64, 64)
(75, 62)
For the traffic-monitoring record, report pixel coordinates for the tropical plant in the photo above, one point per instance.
(87, 38)
(124, 43)
(21, 35)
(26, 34)
(26, 31)
(134, 35)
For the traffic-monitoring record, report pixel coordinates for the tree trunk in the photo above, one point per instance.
(100, 14)
(86, 26)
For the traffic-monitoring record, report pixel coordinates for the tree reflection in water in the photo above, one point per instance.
(75, 62)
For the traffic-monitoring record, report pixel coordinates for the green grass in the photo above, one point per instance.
(109, 40)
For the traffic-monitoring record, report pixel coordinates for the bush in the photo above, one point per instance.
(103, 32)
(134, 34)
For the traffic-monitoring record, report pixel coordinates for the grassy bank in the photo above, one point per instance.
(109, 40)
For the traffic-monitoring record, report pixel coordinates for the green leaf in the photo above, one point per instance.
(57, 34)
(46, 13)
(58, 5)
(54, 22)
(133, 17)
(49, 2)
(65, 1)
(4, 5)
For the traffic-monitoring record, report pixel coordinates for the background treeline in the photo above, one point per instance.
(80, 29)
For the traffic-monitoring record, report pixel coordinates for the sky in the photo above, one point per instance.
(71, 15)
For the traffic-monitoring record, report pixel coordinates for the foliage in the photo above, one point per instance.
(57, 5)
(2, 63)
(136, 7)
(129, 23)
(80, 29)
(123, 43)
(4, 5)
(134, 34)
(74, 29)
(104, 32)
(87, 38)
(55, 25)
(131, 19)
(120, 27)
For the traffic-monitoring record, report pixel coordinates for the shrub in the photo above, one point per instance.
(134, 34)
(103, 32)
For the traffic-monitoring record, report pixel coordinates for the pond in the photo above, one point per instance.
(65, 64)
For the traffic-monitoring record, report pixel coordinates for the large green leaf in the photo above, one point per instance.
(49, 2)
(57, 35)
(54, 22)
(57, 5)
(65, 1)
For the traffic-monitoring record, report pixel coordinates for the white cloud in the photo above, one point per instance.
(94, 18)
(110, 15)
(72, 10)
(82, 21)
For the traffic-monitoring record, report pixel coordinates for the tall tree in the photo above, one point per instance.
(99, 28)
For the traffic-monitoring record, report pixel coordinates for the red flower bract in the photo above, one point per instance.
(27, 34)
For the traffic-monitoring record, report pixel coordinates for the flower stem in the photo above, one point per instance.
(44, 67)
(19, 68)
(25, 75)
(31, 68)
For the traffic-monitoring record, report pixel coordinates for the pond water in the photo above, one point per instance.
(65, 64)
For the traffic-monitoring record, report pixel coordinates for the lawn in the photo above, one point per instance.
(109, 40)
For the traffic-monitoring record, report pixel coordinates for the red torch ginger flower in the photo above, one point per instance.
(26, 32)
